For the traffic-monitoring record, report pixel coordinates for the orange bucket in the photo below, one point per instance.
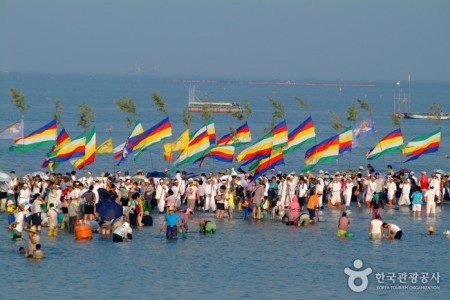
(83, 232)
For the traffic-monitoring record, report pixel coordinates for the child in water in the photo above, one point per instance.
(38, 253)
(171, 220)
(246, 207)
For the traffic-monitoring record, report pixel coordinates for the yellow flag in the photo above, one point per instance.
(180, 143)
(105, 147)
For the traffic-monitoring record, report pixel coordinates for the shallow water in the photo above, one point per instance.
(245, 259)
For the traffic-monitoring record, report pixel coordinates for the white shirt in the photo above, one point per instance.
(24, 196)
(376, 225)
(429, 195)
(19, 219)
(302, 189)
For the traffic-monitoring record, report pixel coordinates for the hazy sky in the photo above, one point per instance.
(292, 39)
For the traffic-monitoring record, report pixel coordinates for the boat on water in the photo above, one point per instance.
(402, 107)
(429, 116)
(197, 105)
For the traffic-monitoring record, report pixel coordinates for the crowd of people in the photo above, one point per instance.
(59, 201)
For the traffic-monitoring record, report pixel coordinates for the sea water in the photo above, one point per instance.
(245, 259)
(100, 92)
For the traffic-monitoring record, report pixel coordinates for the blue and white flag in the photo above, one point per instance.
(12, 131)
(362, 129)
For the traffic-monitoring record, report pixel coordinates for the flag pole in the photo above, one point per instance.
(151, 158)
(23, 144)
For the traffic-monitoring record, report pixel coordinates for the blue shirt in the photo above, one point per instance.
(417, 198)
(171, 219)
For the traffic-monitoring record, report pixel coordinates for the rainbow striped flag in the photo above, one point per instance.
(199, 143)
(392, 142)
(62, 139)
(89, 152)
(345, 140)
(259, 150)
(280, 135)
(424, 144)
(151, 136)
(211, 129)
(220, 153)
(325, 151)
(42, 137)
(240, 137)
(303, 134)
(276, 158)
(73, 149)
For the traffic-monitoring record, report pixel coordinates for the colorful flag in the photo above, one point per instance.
(151, 136)
(361, 130)
(42, 137)
(238, 138)
(198, 145)
(15, 130)
(211, 131)
(303, 134)
(62, 139)
(280, 135)
(424, 144)
(74, 149)
(325, 151)
(259, 150)
(392, 142)
(105, 147)
(276, 158)
(345, 140)
(181, 143)
(89, 152)
(118, 151)
(128, 148)
(221, 153)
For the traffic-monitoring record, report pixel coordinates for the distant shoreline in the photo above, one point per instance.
(288, 82)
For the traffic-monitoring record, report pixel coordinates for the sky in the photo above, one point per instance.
(346, 40)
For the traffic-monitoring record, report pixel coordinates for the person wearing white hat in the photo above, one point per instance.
(404, 197)
(371, 188)
(320, 187)
(24, 194)
(348, 191)
(191, 193)
(176, 192)
(17, 225)
(391, 189)
(161, 191)
(335, 188)
(33, 239)
(210, 194)
(435, 182)
(430, 199)
(55, 196)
